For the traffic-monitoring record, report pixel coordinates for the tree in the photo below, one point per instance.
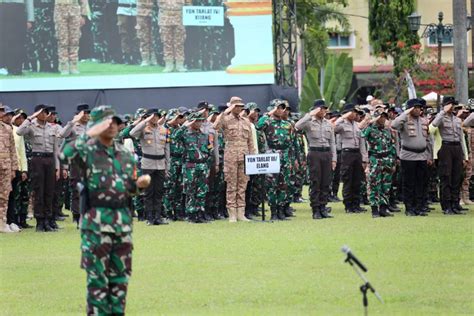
(312, 18)
(390, 33)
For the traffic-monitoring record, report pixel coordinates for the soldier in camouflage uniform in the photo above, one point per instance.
(279, 134)
(144, 31)
(173, 199)
(382, 155)
(106, 226)
(198, 147)
(125, 134)
(293, 159)
(69, 16)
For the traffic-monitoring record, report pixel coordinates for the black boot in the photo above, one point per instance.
(288, 211)
(274, 213)
(75, 219)
(375, 211)
(317, 213)
(48, 227)
(39, 225)
(384, 212)
(149, 218)
(324, 212)
(281, 214)
(158, 218)
(23, 223)
(393, 207)
(201, 217)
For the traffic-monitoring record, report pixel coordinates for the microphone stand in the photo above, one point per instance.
(365, 287)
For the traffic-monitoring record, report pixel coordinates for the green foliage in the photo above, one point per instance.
(312, 18)
(420, 266)
(337, 81)
(390, 33)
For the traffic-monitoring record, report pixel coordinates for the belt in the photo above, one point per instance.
(42, 155)
(445, 142)
(197, 161)
(319, 148)
(123, 5)
(351, 150)
(176, 155)
(279, 147)
(379, 155)
(414, 150)
(153, 157)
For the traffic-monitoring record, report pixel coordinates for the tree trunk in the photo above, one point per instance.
(460, 49)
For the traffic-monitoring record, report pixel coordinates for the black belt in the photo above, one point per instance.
(176, 155)
(379, 155)
(42, 155)
(197, 161)
(319, 148)
(279, 147)
(351, 150)
(445, 142)
(123, 5)
(154, 157)
(414, 150)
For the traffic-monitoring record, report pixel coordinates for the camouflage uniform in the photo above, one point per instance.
(106, 225)
(255, 194)
(126, 22)
(173, 199)
(198, 147)
(382, 155)
(172, 32)
(144, 31)
(8, 167)
(279, 134)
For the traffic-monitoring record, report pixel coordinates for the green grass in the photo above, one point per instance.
(421, 266)
(88, 68)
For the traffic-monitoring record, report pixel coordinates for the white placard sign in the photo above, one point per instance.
(203, 16)
(262, 164)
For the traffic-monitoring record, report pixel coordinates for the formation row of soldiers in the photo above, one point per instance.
(48, 35)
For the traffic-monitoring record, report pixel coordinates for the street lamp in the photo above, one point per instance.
(440, 30)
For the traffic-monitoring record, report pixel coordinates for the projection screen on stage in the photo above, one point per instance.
(97, 44)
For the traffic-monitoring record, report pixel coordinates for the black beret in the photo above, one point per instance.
(82, 107)
(41, 107)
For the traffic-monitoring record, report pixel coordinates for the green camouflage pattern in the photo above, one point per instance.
(382, 154)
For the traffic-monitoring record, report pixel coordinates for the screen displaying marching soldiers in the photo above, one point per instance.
(111, 44)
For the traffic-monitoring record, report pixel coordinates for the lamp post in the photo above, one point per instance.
(439, 30)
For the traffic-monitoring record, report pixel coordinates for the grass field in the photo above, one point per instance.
(420, 265)
(89, 68)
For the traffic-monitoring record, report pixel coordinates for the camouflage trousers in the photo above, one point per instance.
(380, 180)
(173, 199)
(467, 176)
(144, 34)
(173, 37)
(278, 184)
(20, 196)
(127, 31)
(67, 19)
(107, 259)
(5, 188)
(254, 196)
(236, 179)
(195, 177)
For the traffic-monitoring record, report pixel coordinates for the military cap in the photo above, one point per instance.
(413, 102)
(52, 109)
(377, 114)
(183, 110)
(153, 111)
(252, 106)
(41, 107)
(319, 104)
(20, 112)
(449, 100)
(203, 105)
(82, 107)
(431, 111)
(423, 102)
(213, 110)
(196, 116)
(334, 114)
(295, 116)
(8, 110)
(172, 114)
(222, 108)
(139, 112)
(348, 107)
(99, 120)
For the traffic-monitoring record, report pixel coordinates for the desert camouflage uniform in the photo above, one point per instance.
(144, 31)
(8, 167)
(67, 19)
(106, 225)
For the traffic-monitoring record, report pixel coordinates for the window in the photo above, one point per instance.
(447, 39)
(337, 40)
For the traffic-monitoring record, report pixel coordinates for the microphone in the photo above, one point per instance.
(350, 256)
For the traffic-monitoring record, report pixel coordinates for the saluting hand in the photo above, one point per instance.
(36, 114)
(315, 111)
(78, 117)
(448, 108)
(409, 110)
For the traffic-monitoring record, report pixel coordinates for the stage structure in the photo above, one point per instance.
(285, 42)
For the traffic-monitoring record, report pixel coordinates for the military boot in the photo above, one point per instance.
(324, 212)
(375, 211)
(73, 68)
(384, 212)
(241, 215)
(232, 215)
(180, 66)
(63, 68)
(317, 213)
(201, 217)
(169, 66)
(281, 214)
(23, 223)
(274, 214)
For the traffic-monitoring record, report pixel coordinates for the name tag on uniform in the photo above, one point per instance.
(262, 164)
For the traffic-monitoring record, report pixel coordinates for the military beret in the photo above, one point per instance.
(82, 107)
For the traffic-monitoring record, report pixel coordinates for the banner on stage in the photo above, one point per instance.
(203, 16)
(262, 164)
